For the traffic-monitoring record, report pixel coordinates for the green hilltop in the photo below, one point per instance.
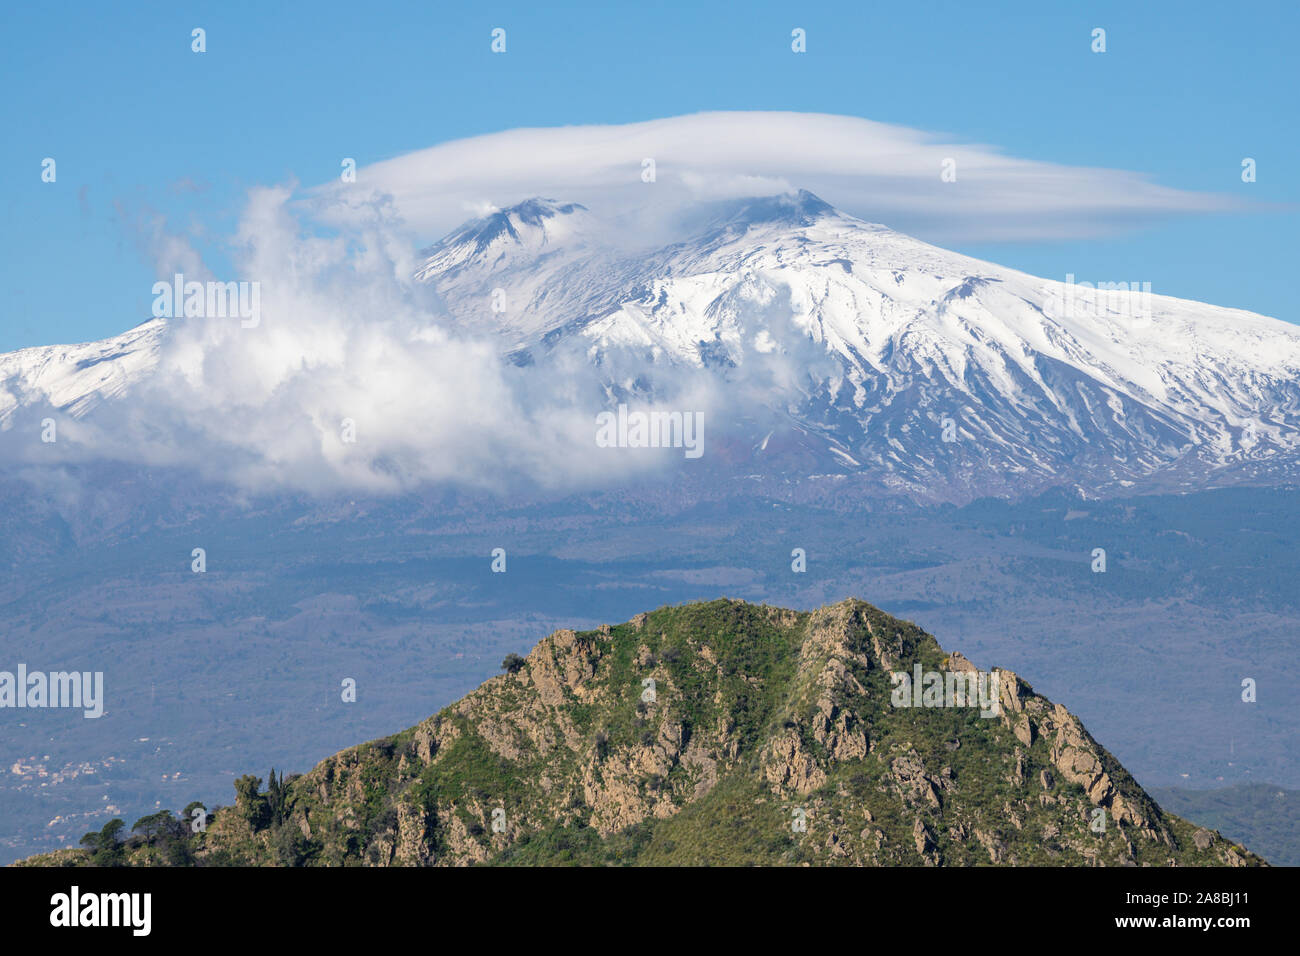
(720, 733)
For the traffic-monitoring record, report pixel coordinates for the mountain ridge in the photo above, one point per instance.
(720, 733)
(865, 352)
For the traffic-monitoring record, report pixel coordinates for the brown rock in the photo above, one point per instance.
(924, 840)
(1024, 730)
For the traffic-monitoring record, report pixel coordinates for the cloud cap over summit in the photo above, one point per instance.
(877, 171)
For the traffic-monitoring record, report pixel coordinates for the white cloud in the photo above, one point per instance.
(876, 171)
(345, 334)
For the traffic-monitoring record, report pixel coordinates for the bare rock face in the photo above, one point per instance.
(925, 845)
(993, 845)
(1018, 773)
(788, 767)
(412, 847)
(957, 661)
(829, 657)
(916, 787)
(1074, 755)
(828, 660)
(1024, 730)
(616, 801)
(1010, 690)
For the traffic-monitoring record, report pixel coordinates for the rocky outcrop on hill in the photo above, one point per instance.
(725, 733)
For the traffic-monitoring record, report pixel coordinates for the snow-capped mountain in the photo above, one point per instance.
(886, 340)
(842, 347)
(76, 378)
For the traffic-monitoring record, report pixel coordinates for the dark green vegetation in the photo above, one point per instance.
(1258, 814)
(721, 733)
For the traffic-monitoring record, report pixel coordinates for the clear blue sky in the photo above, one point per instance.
(115, 95)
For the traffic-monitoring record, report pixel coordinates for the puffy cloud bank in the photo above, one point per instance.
(351, 379)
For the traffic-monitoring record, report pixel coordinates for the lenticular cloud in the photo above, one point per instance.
(877, 171)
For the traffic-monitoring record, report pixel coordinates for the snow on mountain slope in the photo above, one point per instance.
(76, 378)
(552, 255)
(841, 347)
(1038, 378)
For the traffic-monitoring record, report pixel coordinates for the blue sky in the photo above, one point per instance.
(142, 127)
